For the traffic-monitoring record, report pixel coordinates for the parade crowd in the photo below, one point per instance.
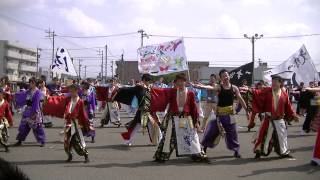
(172, 115)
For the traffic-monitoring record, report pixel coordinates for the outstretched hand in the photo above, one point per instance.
(296, 119)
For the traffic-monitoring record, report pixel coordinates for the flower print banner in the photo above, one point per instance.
(164, 58)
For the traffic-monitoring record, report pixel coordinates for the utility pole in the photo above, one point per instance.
(38, 56)
(122, 68)
(143, 34)
(252, 40)
(106, 63)
(52, 35)
(100, 53)
(85, 72)
(80, 60)
(112, 68)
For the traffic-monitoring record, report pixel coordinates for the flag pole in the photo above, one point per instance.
(188, 71)
(189, 78)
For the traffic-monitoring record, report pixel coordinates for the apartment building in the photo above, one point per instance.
(17, 61)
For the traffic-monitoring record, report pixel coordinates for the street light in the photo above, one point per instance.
(252, 40)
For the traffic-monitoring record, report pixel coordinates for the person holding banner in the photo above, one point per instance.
(251, 118)
(275, 103)
(5, 119)
(55, 87)
(44, 96)
(111, 110)
(180, 124)
(5, 85)
(197, 93)
(306, 97)
(54, 90)
(315, 126)
(225, 122)
(32, 115)
(316, 154)
(211, 103)
(143, 117)
(243, 90)
(77, 122)
(89, 105)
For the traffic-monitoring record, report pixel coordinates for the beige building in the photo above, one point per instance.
(16, 61)
(199, 70)
(127, 70)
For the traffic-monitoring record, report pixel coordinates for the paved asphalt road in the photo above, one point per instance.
(112, 160)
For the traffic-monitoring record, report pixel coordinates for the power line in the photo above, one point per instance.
(89, 57)
(143, 34)
(76, 49)
(291, 36)
(76, 44)
(22, 23)
(111, 55)
(64, 36)
(155, 35)
(233, 38)
(193, 37)
(98, 36)
(51, 34)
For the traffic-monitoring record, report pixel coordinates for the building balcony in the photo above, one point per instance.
(21, 56)
(13, 77)
(12, 65)
(28, 68)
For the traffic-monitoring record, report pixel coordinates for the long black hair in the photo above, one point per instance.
(9, 171)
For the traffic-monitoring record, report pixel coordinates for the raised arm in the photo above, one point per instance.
(55, 106)
(125, 95)
(216, 87)
(239, 97)
(315, 89)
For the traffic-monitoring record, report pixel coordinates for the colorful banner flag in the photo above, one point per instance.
(241, 73)
(164, 58)
(301, 66)
(62, 63)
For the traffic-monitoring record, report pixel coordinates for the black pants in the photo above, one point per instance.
(298, 108)
(311, 112)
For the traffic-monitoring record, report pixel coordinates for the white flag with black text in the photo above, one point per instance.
(301, 66)
(63, 63)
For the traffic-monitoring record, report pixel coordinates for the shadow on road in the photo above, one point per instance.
(182, 162)
(300, 136)
(42, 162)
(173, 162)
(305, 148)
(305, 168)
(120, 147)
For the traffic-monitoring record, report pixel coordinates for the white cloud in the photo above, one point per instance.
(286, 29)
(256, 2)
(229, 25)
(217, 18)
(86, 2)
(151, 26)
(147, 6)
(142, 5)
(22, 4)
(6, 29)
(94, 2)
(81, 22)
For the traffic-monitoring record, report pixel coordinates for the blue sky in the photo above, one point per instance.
(213, 18)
